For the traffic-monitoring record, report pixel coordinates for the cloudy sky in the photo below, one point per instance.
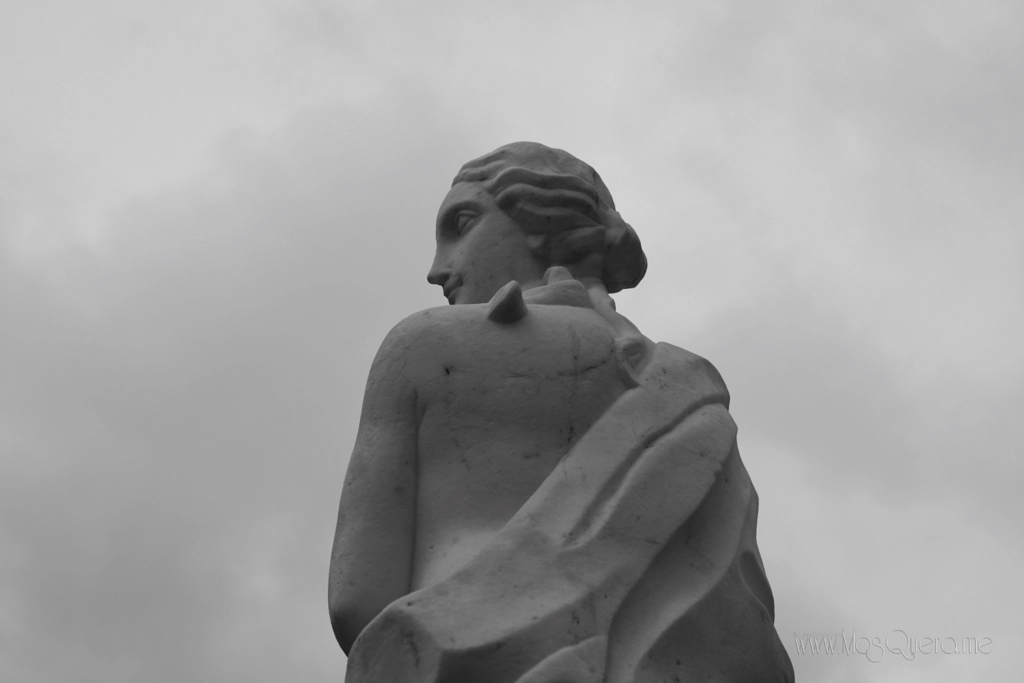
(212, 212)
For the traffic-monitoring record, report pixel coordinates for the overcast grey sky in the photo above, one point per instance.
(212, 212)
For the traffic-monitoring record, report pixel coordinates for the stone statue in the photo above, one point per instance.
(538, 493)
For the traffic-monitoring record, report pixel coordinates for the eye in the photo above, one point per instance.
(462, 221)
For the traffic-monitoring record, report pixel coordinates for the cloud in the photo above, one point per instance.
(878, 495)
(827, 195)
(177, 441)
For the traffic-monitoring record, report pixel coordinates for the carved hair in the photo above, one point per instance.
(563, 206)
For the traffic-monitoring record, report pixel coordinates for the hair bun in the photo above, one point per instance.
(625, 263)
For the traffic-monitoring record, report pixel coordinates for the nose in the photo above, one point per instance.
(436, 277)
(439, 273)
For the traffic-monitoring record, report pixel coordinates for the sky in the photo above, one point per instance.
(212, 212)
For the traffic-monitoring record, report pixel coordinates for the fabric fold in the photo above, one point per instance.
(637, 548)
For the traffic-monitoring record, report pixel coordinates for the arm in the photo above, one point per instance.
(371, 563)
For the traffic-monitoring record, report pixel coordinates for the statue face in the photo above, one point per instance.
(479, 248)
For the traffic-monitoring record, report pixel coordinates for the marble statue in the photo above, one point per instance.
(539, 493)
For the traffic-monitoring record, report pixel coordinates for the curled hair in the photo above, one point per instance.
(563, 206)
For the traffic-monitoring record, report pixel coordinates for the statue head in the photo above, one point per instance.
(524, 207)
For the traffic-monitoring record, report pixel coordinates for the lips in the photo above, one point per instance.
(451, 288)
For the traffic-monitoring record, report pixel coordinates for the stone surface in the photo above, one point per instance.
(538, 493)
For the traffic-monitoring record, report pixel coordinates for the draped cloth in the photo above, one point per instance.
(635, 560)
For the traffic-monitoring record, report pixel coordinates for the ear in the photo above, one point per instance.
(538, 246)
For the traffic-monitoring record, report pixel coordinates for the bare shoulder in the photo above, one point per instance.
(418, 341)
(423, 340)
(421, 334)
(423, 331)
(433, 323)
